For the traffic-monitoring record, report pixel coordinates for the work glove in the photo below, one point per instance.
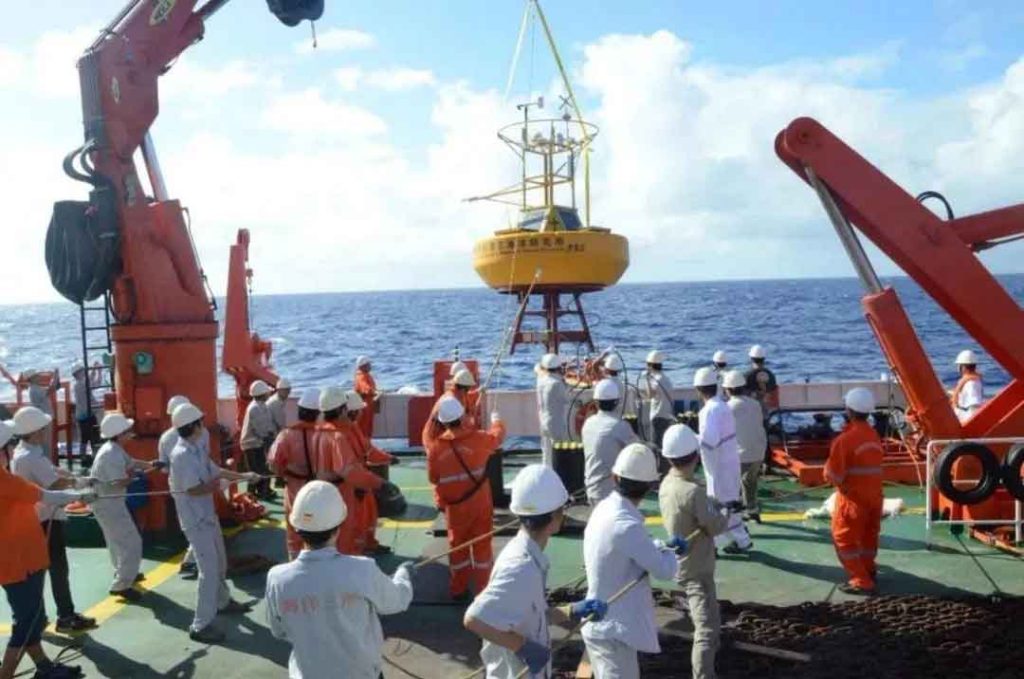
(592, 609)
(408, 567)
(679, 544)
(534, 655)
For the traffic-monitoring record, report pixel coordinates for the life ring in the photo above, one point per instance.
(991, 473)
(1012, 467)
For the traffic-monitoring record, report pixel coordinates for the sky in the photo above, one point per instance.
(350, 163)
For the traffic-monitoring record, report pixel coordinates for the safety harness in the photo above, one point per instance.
(477, 482)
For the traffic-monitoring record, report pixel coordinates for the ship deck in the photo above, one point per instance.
(793, 562)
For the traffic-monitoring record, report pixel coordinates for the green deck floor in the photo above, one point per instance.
(793, 561)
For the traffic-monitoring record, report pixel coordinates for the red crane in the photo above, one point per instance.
(134, 246)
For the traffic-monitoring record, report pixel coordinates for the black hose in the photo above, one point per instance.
(925, 195)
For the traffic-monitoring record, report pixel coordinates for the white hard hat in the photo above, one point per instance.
(283, 384)
(656, 357)
(734, 379)
(464, 378)
(175, 401)
(361, 361)
(310, 399)
(317, 507)
(29, 420)
(115, 424)
(449, 409)
(966, 357)
(6, 431)
(756, 351)
(613, 362)
(860, 400)
(705, 377)
(332, 398)
(606, 390)
(636, 462)
(536, 490)
(550, 361)
(259, 388)
(679, 441)
(455, 368)
(185, 414)
(77, 366)
(719, 357)
(353, 401)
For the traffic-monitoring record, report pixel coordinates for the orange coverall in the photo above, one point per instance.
(292, 456)
(457, 466)
(366, 506)
(337, 458)
(854, 467)
(366, 387)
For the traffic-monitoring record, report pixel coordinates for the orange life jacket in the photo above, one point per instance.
(964, 380)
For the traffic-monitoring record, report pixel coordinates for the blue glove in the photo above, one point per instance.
(680, 545)
(595, 609)
(534, 655)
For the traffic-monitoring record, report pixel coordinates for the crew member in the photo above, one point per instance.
(616, 551)
(366, 387)
(164, 446)
(39, 394)
(751, 439)
(337, 462)
(457, 467)
(656, 388)
(367, 455)
(327, 605)
(552, 406)
(614, 369)
(277, 404)
(85, 415)
(256, 436)
(511, 614)
(462, 386)
(113, 470)
(719, 361)
(684, 509)
(969, 392)
(194, 479)
(854, 467)
(761, 381)
(604, 435)
(23, 567)
(32, 463)
(291, 457)
(720, 457)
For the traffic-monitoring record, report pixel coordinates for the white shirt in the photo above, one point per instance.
(751, 438)
(169, 439)
(656, 387)
(82, 399)
(604, 436)
(627, 405)
(616, 551)
(514, 601)
(32, 464)
(552, 406)
(969, 399)
(112, 464)
(40, 398)
(257, 427)
(278, 412)
(326, 605)
(191, 466)
(719, 454)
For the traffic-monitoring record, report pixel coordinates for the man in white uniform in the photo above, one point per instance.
(164, 446)
(616, 552)
(278, 405)
(552, 406)
(256, 436)
(656, 389)
(614, 369)
(511, 614)
(194, 480)
(85, 414)
(326, 604)
(39, 393)
(604, 435)
(720, 458)
(113, 470)
(751, 439)
(969, 393)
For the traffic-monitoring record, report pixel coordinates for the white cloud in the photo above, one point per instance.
(348, 77)
(12, 66)
(308, 113)
(54, 58)
(959, 59)
(394, 79)
(337, 40)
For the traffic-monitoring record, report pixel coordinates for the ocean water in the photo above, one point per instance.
(812, 330)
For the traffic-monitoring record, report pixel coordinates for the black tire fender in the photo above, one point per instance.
(1012, 467)
(991, 473)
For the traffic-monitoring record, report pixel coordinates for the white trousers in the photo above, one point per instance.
(123, 541)
(736, 532)
(612, 659)
(208, 545)
(547, 451)
(190, 556)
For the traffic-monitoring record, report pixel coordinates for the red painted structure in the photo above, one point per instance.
(941, 257)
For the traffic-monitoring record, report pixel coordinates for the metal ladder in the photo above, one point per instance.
(96, 338)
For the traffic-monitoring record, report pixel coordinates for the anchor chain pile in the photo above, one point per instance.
(887, 637)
